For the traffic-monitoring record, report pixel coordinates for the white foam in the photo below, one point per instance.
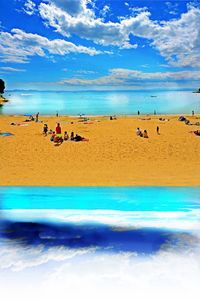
(65, 274)
(188, 220)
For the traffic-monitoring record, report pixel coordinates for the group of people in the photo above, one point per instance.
(145, 134)
(142, 134)
(56, 136)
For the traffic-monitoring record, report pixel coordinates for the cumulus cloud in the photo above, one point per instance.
(84, 24)
(130, 77)
(73, 7)
(18, 46)
(177, 40)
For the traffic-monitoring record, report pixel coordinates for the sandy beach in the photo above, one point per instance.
(114, 155)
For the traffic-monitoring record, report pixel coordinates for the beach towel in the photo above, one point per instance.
(6, 134)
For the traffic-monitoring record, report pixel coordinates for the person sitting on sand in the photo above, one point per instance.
(52, 136)
(66, 136)
(145, 135)
(139, 132)
(197, 132)
(163, 119)
(58, 139)
(45, 129)
(72, 136)
(79, 138)
(187, 122)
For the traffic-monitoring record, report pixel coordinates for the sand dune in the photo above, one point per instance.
(114, 155)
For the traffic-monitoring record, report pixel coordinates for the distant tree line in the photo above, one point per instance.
(2, 86)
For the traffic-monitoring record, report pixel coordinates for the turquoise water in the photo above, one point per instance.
(102, 102)
(162, 207)
(109, 198)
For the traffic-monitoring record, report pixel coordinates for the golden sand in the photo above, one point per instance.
(114, 155)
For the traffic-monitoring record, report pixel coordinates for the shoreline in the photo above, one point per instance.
(114, 155)
(106, 115)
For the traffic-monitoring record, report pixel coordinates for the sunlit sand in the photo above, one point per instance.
(113, 156)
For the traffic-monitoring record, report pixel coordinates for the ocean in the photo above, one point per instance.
(100, 242)
(101, 102)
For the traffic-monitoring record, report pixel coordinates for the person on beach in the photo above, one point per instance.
(37, 117)
(145, 135)
(139, 132)
(45, 129)
(196, 132)
(58, 129)
(58, 139)
(52, 136)
(72, 136)
(192, 112)
(138, 112)
(66, 136)
(154, 112)
(158, 130)
(79, 138)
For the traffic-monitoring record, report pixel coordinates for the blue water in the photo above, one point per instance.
(139, 207)
(101, 102)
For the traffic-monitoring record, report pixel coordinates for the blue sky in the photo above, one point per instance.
(99, 44)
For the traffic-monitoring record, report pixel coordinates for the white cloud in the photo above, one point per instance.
(84, 24)
(127, 45)
(177, 40)
(18, 46)
(104, 11)
(130, 77)
(73, 7)
(10, 69)
(29, 7)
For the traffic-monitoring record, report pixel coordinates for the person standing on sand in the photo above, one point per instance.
(192, 112)
(58, 129)
(37, 117)
(45, 129)
(138, 112)
(158, 130)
